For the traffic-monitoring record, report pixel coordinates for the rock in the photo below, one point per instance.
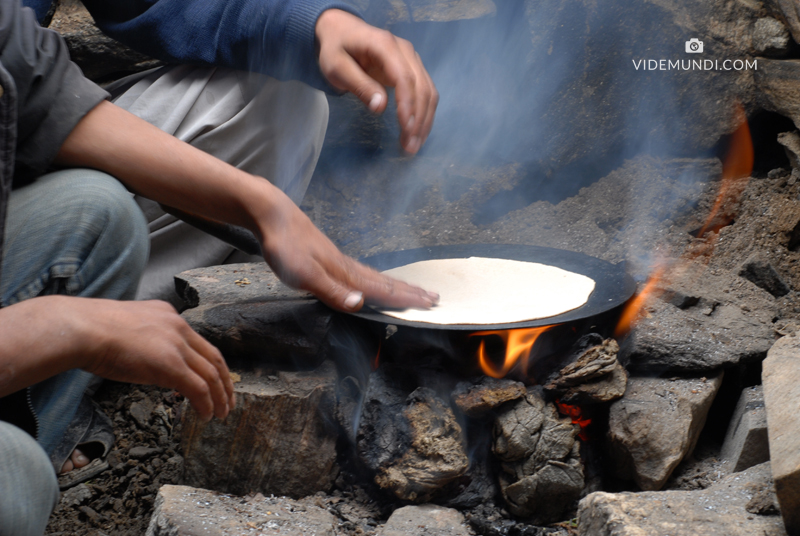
(781, 380)
(427, 519)
(542, 473)
(789, 11)
(770, 37)
(140, 453)
(706, 319)
(746, 443)
(647, 449)
(763, 274)
(720, 510)
(75, 496)
(593, 374)
(479, 398)
(246, 312)
(778, 90)
(277, 440)
(99, 57)
(141, 411)
(791, 144)
(412, 443)
(186, 511)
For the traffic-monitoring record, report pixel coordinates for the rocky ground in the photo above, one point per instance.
(645, 210)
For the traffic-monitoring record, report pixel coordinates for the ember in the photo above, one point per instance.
(575, 413)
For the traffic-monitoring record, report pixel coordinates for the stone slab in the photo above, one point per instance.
(656, 425)
(248, 313)
(427, 520)
(728, 508)
(279, 439)
(705, 319)
(187, 511)
(746, 442)
(781, 379)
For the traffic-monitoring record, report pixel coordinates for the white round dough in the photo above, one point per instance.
(479, 290)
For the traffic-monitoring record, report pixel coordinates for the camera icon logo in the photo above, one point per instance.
(694, 46)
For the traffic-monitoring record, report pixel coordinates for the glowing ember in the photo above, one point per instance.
(518, 342)
(574, 413)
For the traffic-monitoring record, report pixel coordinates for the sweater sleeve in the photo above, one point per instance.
(274, 37)
(52, 93)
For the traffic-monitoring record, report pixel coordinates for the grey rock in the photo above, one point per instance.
(791, 144)
(140, 453)
(770, 37)
(479, 398)
(542, 473)
(789, 11)
(186, 511)
(761, 272)
(778, 90)
(781, 380)
(100, 57)
(279, 438)
(720, 510)
(75, 496)
(705, 319)
(428, 519)
(647, 449)
(246, 312)
(746, 443)
(141, 411)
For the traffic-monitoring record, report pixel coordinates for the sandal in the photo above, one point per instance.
(93, 432)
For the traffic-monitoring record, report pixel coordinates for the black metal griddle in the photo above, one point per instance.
(613, 286)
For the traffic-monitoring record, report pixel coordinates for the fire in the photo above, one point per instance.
(736, 168)
(574, 412)
(518, 342)
(738, 164)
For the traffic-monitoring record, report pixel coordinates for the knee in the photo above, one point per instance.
(28, 484)
(101, 206)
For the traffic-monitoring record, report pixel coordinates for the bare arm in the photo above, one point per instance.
(174, 173)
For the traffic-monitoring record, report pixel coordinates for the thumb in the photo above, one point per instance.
(348, 75)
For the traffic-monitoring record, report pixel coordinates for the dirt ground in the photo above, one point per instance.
(645, 210)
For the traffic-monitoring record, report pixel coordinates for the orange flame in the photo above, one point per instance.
(738, 164)
(574, 412)
(519, 343)
(633, 311)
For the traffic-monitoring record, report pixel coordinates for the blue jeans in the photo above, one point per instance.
(28, 485)
(75, 232)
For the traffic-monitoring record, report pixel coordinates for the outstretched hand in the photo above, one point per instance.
(364, 60)
(305, 258)
(149, 343)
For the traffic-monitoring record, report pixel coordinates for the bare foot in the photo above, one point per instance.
(76, 461)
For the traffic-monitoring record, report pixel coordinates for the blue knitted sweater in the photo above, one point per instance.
(274, 37)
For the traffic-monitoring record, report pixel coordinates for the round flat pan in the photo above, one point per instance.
(613, 286)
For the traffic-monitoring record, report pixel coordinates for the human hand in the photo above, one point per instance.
(149, 343)
(364, 60)
(305, 258)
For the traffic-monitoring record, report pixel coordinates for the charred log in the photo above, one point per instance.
(542, 473)
(479, 398)
(592, 374)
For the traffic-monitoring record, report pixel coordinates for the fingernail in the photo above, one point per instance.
(80, 458)
(434, 297)
(375, 102)
(413, 144)
(410, 123)
(353, 299)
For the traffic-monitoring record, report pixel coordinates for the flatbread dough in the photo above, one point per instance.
(480, 290)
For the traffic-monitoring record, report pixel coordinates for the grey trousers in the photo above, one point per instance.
(266, 127)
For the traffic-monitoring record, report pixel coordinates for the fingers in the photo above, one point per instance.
(344, 73)
(417, 99)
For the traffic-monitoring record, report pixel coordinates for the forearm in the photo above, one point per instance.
(163, 168)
